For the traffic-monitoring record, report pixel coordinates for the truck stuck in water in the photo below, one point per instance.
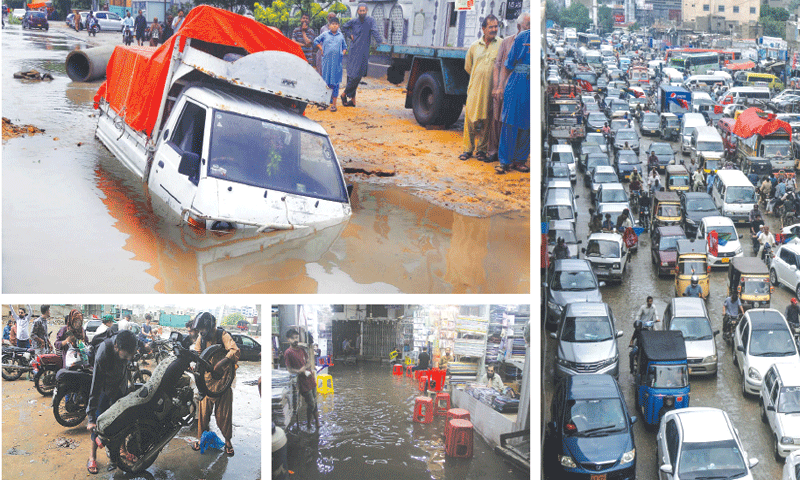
(213, 123)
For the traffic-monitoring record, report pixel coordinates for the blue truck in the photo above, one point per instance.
(677, 100)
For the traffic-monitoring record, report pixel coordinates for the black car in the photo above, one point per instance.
(34, 19)
(664, 153)
(695, 206)
(650, 123)
(249, 349)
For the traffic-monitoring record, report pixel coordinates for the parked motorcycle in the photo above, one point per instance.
(71, 395)
(144, 421)
(45, 368)
(16, 361)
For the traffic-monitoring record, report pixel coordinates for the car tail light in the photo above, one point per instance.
(196, 222)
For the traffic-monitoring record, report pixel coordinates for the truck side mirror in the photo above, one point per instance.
(190, 165)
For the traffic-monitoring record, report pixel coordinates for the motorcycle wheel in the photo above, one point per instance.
(11, 374)
(45, 381)
(68, 412)
(137, 441)
(143, 375)
(223, 385)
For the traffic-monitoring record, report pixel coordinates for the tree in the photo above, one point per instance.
(576, 16)
(635, 26)
(278, 14)
(605, 19)
(552, 12)
(232, 320)
(777, 13)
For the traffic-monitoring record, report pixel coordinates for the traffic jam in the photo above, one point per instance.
(670, 262)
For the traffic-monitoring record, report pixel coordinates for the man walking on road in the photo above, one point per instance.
(140, 26)
(359, 30)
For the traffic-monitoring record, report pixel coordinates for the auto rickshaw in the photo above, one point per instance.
(661, 374)
(666, 209)
(678, 178)
(691, 260)
(749, 277)
(670, 126)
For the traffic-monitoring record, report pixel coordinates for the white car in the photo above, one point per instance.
(729, 245)
(607, 254)
(784, 268)
(791, 470)
(109, 21)
(761, 339)
(700, 442)
(780, 406)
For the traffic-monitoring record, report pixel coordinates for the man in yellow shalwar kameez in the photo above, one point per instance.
(480, 65)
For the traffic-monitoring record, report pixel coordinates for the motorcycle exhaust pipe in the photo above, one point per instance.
(17, 368)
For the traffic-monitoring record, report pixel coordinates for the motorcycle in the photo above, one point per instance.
(143, 422)
(136, 374)
(16, 361)
(45, 368)
(729, 323)
(71, 395)
(93, 29)
(634, 200)
(127, 36)
(767, 254)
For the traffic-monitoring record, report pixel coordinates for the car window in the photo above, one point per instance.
(745, 334)
(247, 341)
(702, 459)
(773, 394)
(769, 379)
(787, 257)
(671, 435)
(772, 343)
(789, 400)
(100, 15)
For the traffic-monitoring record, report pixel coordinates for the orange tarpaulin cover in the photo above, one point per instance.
(740, 66)
(751, 122)
(136, 76)
(36, 6)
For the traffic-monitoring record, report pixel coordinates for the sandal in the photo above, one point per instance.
(322, 107)
(229, 450)
(91, 466)
(465, 156)
(333, 108)
(502, 169)
(481, 156)
(196, 446)
(521, 167)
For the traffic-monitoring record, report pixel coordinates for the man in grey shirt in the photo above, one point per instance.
(647, 313)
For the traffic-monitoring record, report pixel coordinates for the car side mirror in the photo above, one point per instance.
(716, 332)
(577, 197)
(633, 419)
(580, 242)
(741, 235)
(553, 335)
(771, 408)
(601, 284)
(620, 333)
(350, 190)
(666, 468)
(793, 267)
(544, 284)
(740, 348)
(583, 250)
(190, 165)
(753, 462)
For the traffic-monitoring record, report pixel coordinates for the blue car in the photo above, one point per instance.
(590, 433)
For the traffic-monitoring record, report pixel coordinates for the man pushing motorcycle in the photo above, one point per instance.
(224, 362)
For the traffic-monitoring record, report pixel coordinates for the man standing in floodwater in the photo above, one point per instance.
(359, 30)
(300, 363)
(479, 64)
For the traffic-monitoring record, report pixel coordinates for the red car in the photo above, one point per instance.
(34, 19)
(664, 247)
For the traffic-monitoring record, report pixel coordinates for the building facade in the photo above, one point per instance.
(720, 14)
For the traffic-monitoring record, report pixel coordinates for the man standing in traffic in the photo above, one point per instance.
(140, 26)
(300, 363)
(224, 362)
(23, 320)
(304, 36)
(523, 23)
(39, 333)
(479, 65)
(125, 323)
(360, 30)
(177, 22)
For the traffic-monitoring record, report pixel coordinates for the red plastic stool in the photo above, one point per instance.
(454, 414)
(459, 444)
(437, 377)
(419, 373)
(442, 403)
(423, 382)
(410, 371)
(423, 410)
(397, 369)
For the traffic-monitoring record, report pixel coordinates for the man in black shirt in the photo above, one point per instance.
(424, 360)
(793, 314)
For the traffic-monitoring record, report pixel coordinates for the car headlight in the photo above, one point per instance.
(689, 221)
(566, 461)
(563, 362)
(710, 359)
(615, 265)
(787, 440)
(739, 251)
(665, 264)
(753, 373)
(628, 456)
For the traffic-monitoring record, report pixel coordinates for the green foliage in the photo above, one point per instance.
(12, 20)
(62, 8)
(576, 16)
(605, 19)
(635, 26)
(774, 13)
(232, 319)
(278, 13)
(774, 28)
(552, 12)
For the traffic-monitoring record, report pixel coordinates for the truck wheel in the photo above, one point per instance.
(428, 100)
(395, 75)
(451, 110)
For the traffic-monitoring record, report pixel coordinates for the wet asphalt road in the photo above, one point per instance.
(722, 391)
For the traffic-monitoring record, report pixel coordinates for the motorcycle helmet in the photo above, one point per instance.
(637, 325)
(205, 323)
(695, 280)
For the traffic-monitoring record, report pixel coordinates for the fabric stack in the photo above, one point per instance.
(282, 385)
(505, 404)
(483, 394)
(461, 372)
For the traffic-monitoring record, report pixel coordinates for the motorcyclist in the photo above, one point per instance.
(765, 188)
(755, 229)
(777, 201)
(636, 176)
(634, 343)
(793, 315)
(127, 25)
(647, 313)
(694, 289)
(697, 180)
(560, 252)
(91, 21)
(731, 307)
(652, 160)
(606, 130)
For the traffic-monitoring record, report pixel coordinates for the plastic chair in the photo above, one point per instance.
(397, 369)
(454, 414)
(442, 403)
(324, 384)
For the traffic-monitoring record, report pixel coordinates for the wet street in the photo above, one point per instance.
(75, 220)
(722, 391)
(367, 432)
(31, 434)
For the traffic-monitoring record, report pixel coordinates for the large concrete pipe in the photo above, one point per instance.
(88, 65)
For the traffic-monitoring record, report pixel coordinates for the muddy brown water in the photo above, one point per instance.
(367, 432)
(75, 220)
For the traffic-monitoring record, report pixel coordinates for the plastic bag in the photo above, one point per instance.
(210, 440)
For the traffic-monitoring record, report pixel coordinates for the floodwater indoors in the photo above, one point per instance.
(367, 432)
(75, 220)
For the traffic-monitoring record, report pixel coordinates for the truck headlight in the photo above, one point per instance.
(615, 265)
(710, 359)
(753, 373)
(628, 456)
(787, 440)
(566, 461)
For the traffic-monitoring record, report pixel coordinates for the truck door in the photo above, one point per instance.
(178, 160)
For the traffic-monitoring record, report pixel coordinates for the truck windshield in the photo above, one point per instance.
(667, 376)
(709, 146)
(777, 149)
(268, 155)
(740, 195)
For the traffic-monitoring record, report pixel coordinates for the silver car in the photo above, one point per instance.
(690, 317)
(587, 340)
(629, 136)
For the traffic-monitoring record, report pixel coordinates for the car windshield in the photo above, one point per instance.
(709, 146)
(679, 180)
(613, 195)
(667, 376)
(650, 118)
(669, 243)
(558, 212)
(595, 139)
(597, 118)
(693, 328)
(668, 210)
(558, 170)
(603, 249)
(703, 204)
(563, 157)
(692, 267)
(588, 418)
(595, 160)
(574, 281)
(586, 329)
(39, 15)
(756, 286)
(627, 135)
(628, 158)
(772, 343)
(617, 123)
(605, 177)
(724, 232)
(789, 400)
(268, 155)
(661, 149)
(711, 460)
(567, 235)
(591, 148)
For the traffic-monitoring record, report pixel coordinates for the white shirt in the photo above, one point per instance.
(124, 325)
(127, 22)
(176, 23)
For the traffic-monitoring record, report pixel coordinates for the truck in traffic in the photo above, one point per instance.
(765, 143)
(671, 99)
(564, 113)
(213, 123)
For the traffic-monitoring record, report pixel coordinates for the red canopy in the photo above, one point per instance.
(754, 121)
(740, 66)
(136, 76)
(37, 5)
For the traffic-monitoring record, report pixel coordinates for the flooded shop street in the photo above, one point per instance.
(35, 445)
(76, 220)
(367, 432)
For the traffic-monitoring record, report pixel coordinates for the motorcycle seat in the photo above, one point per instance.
(14, 349)
(65, 376)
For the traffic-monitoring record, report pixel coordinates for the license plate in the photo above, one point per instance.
(599, 476)
(725, 260)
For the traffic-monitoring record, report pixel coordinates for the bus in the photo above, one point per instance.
(589, 40)
(725, 55)
(701, 63)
